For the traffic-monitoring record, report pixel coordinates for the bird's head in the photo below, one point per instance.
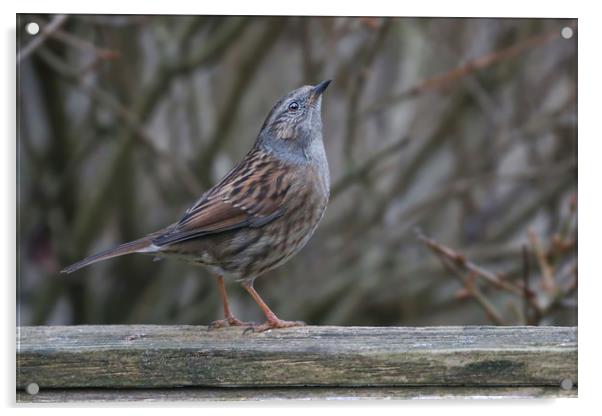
(295, 120)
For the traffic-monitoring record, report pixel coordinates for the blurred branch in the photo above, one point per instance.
(464, 70)
(210, 51)
(46, 31)
(311, 67)
(460, 260)
(70, 71)
(421, 208)
(512, 223)
(128, 118)
(92, 214)
(363, 66)
(542, 305)
(404, 177)
(527, 293)
(84, 44)
(547, 273)
(358, 173)
(113, 20)
(99, 54)
(247, 69)
(457, 264)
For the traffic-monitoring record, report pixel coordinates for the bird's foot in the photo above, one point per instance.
(273, 324)
(229, 321)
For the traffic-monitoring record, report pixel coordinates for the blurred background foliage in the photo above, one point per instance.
(463, 128)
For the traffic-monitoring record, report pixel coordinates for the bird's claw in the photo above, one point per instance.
(272, 324)
(226, 322)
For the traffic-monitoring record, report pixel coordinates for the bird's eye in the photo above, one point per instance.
(294, 106)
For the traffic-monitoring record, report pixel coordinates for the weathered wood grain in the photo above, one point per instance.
(290, 393)
(120, 357)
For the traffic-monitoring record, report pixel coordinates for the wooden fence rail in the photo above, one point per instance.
(145, 362)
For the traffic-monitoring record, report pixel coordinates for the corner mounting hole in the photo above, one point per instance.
(32, 388)
(566, 384)
(566, 32)
(32, 28)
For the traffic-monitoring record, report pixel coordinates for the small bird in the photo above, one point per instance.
(260, 214)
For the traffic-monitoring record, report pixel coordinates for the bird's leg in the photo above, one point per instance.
(229, 319)
(272, 320)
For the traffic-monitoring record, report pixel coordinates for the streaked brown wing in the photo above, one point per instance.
(251, 195)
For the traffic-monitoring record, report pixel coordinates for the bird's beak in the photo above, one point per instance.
(317, 91)
(321, 87)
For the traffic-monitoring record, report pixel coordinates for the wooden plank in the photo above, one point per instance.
(290, 393)
(175, 356)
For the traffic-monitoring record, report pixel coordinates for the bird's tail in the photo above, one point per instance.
(142, 245)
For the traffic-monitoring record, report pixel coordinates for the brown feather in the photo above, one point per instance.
(251, 195)
(126, 248)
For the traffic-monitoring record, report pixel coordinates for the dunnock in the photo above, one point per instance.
(260, 214)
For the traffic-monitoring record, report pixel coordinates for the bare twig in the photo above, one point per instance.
(460, 259)
(84, 44)
(563, 241)
(528, 295)
(549, 284)
(455, 262)
(98, 54)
